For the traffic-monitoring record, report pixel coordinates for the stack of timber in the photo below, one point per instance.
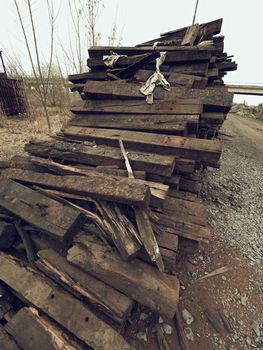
(94, 220)
(195, 65)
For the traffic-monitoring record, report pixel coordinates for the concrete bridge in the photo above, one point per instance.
(246, 89)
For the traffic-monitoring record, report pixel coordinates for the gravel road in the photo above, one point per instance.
(235, 191)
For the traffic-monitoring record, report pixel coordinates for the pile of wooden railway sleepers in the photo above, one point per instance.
(92, 220)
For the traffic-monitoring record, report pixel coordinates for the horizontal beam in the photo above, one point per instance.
(256, 90)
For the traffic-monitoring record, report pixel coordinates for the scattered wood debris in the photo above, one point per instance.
(92, 220)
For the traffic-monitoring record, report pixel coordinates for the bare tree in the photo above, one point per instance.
(32, 47)
(84, 17)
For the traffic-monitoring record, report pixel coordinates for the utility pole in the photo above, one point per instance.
(3, 64)
(196, 7)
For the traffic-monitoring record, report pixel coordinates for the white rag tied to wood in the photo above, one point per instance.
(156, 79)
(110, 60)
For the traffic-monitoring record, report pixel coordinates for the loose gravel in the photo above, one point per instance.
(234, 193)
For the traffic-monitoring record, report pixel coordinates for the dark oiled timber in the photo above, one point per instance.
(136, 61)
(92, 75)
(171, 57)
(195, 68)
(184, 166)
(46, 214)
(99, 51)
(42, 165)
(176, 106)
(210, 28)
(192, 212)
(85, 286)
(190, 148)
(62, 307)
(32, 331)
(100, 186)
(161, 123)
(219, 99)
(131, 69)
(143, 282)
(181, 227)
(102, 155)
(191, 35)
(175, 79)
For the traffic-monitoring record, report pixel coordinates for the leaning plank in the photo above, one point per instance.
(191, 35)
(102, 155)
(63, 308)
(103, 297)
(158, 123)
(148, 237)
(32, 331)
(129, 71)
(121, 230)
(140, 281)
(190, 148)
(209, 28)
(46, 214)
(176, 106)
(176, 36)
(97, 186)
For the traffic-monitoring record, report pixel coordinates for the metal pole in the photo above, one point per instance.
(3, 64)
(196, 6)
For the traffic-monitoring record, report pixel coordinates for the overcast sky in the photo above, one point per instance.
(141, 20)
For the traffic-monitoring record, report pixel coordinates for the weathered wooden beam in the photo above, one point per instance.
(174, 79)
(191, 35)
(176, 36)
(192, 68)
(174, 181)
(218, 99)
(193, 212)
(69, 312)
(32, 331)
(102, 155)
(190, 148)
(48, 215)
(93, 75)
(86, 287)
(144, 283)
(136, 62)
(97, 186)
(120, 229)
(166, 124)
(181, 226)
(99, 51)
(7, 342)
(184, 166)
(176, 106)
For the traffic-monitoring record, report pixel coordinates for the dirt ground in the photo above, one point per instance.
(234, 196)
